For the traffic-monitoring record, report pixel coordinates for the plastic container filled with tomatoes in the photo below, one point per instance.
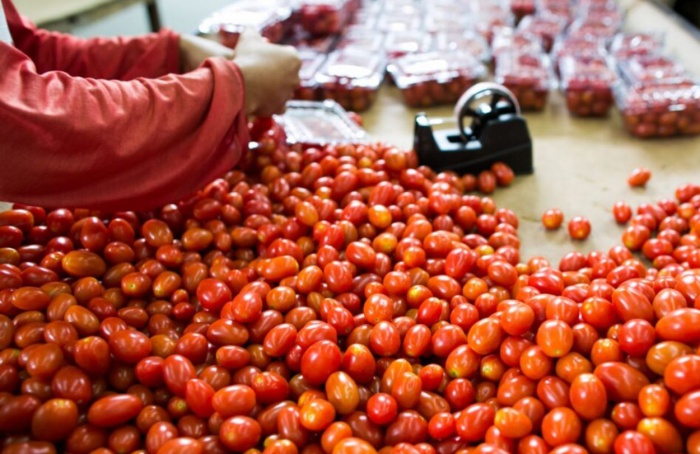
(400, 43)
(468, 41)
(305, 42)
(442, 20)
(596, 24)
(488, 16)
(323, 17)
(308, 89)
(625, 45)
(660, 110)
(399, 21)
(546, 26)
(529, 75)
(352, 77)
(522, 8)
(560, 8)
(368, 40)
(652, 69)
(587, 82)
(577, 45)
(272, 18)
(435, 78)
(509, 40)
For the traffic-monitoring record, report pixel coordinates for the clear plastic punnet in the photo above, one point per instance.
(468, 41)
(528, 75)
(308, 86)
(598, 25)
(546, 26)
(447, 21)
(306, 42)
(625, 45)
(522, 8)
(399, 21)
(577, 45)
(487, 16)
(400, 43)
(370, 40)
(561, 8)
(587, 82)
(352, 77)
(659, 110)
(436, 78)
(272, 18)
(309, 123)
(508, 39)
(652, 69)
(323, 17)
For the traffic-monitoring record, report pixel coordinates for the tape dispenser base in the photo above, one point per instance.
(497, 133)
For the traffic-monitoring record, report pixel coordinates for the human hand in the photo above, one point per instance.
(194, 50)
(270, 73)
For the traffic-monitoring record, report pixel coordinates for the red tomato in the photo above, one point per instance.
(114, 410)
(240, 433)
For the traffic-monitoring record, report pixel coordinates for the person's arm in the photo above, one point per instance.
(112, 145)
(122, 58)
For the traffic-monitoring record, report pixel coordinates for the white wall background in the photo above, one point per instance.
(180, 15)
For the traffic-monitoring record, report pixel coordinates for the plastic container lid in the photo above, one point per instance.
(657, 98)
(525, 69)
(327, 5)
(354, 67)
(369, 40)
(399, 43)
(470, 42)
(391, 22)
(440, 67)
(320, 123)
(543, 24)
(438, 21)
(599, 25)
(578, 45)
(586, 71)
(509, 39)
(627, 44)
(310, 64)
(255, 14)
(653, 69)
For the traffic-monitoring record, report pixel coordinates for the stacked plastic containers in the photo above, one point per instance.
(656, 95)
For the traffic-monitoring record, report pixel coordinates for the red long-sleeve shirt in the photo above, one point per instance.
(107, 124)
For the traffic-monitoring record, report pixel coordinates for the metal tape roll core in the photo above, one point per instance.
(464, 108)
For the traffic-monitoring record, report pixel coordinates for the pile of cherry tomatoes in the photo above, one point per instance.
(343, 300)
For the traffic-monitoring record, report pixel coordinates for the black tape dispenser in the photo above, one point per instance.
(497, 133)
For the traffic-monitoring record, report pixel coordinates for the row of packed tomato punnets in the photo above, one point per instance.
(434, 50)
(344, 300)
